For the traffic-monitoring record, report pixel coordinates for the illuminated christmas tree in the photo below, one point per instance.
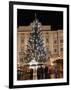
(35, 47)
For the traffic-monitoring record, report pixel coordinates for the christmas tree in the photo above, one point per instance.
(35, 47)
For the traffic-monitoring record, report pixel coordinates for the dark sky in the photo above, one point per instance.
(53, 18)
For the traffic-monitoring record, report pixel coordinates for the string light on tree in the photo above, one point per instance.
(35, 46)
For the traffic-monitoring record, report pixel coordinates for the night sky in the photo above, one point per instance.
(53, 18)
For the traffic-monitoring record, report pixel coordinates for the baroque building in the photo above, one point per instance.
(53, 41)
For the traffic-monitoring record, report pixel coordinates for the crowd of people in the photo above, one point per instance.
(43, 72)
(25, 73)
(47, 72)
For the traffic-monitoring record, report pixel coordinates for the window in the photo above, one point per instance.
(22, 40)
(55, 41)
(47, 33)
(22, 49)
(47, 40)
(61, 49)
(61, 41)
(22, 34)
(55, 50)
(21, 59)
(22, 37)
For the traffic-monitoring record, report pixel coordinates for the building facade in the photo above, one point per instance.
(53, 41)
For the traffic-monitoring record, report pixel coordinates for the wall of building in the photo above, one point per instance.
(53, 41)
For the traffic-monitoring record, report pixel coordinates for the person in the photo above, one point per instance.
(31, 74)
(43, 71)
(55, 71)
(38, 72)
(18, 74)
(46, 72)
